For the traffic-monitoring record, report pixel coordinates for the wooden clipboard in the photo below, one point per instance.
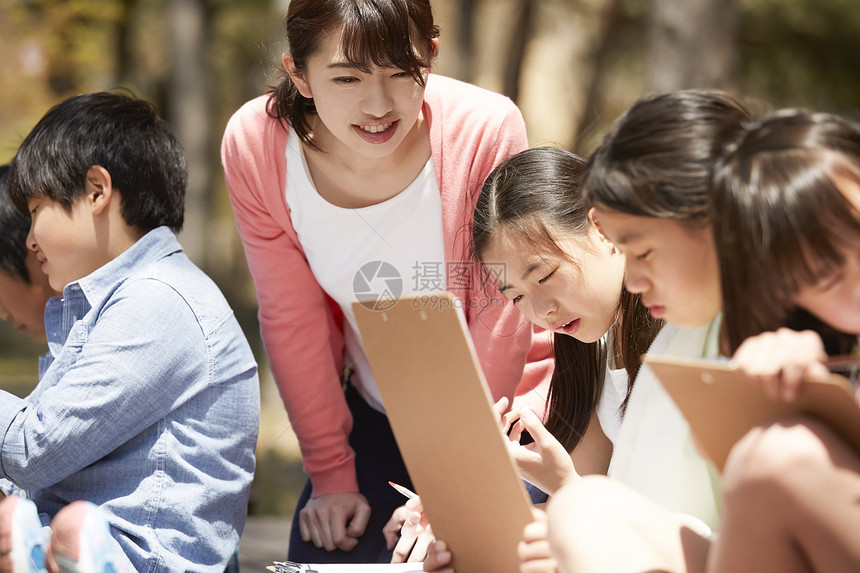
(721, 406)
(440, 409)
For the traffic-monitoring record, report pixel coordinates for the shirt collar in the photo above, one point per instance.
(156, 244)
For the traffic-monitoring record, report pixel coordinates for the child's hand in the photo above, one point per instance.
(438, 558)
(408, 532)
(544, 462)
(499, 409)
(534, 551)
(781, 361)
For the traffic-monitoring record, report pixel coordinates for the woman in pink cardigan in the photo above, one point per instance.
(356, 179)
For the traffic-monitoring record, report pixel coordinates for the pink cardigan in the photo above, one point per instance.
(471, 131)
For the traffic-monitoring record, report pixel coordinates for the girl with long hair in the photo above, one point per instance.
(565, 276)
(784, 210)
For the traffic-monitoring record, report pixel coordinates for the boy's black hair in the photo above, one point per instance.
(122, 134)
(14, 228)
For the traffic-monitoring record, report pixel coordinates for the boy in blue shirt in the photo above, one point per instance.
(148, 402)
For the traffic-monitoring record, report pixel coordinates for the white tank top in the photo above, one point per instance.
(654, 451)
(374, 254)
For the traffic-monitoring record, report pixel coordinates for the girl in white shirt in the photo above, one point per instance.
(786, 206)
(538, 242)
(786, 213)
(648, 182)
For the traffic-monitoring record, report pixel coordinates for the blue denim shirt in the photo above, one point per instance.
(148, 406)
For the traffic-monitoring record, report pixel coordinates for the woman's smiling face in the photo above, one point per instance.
(368, 113)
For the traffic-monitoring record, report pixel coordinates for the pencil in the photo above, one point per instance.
(407, 492)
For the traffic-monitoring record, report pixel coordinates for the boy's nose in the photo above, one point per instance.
(31, 241)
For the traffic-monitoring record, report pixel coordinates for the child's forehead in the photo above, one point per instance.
(45, 202)
(623, 228)
(39, 198)
(550, 247)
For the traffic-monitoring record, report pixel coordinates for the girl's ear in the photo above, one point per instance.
(296, 75)
(594, 221)
(99, 188)
(435, 43)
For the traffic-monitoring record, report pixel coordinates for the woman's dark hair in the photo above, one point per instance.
(528, 196)
(379, 33)
(780, 220)
(657, 159)
(14, 228)
(123, 135)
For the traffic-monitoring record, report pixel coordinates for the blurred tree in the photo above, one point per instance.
(126, 60)
(466, 37)
(692, 43)
(610, 29)
(189, 109)
(802, 53)
(517, 48)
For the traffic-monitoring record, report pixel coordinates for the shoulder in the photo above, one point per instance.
(668, 333)
(251, 113)
(686, 342)
(175, 293)
(468, 121)
(251, 128)
(467, 101)
(253, 157)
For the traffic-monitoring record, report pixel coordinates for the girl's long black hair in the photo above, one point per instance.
(528, 195)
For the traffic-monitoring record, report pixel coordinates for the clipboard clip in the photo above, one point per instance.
(292, 567)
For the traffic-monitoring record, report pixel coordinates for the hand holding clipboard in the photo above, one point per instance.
(721, 406)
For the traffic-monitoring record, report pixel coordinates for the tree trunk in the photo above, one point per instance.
(693, 44)
(599, 64)
(126, 60)
(190, 114)
(466, 39)
(519, 40)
